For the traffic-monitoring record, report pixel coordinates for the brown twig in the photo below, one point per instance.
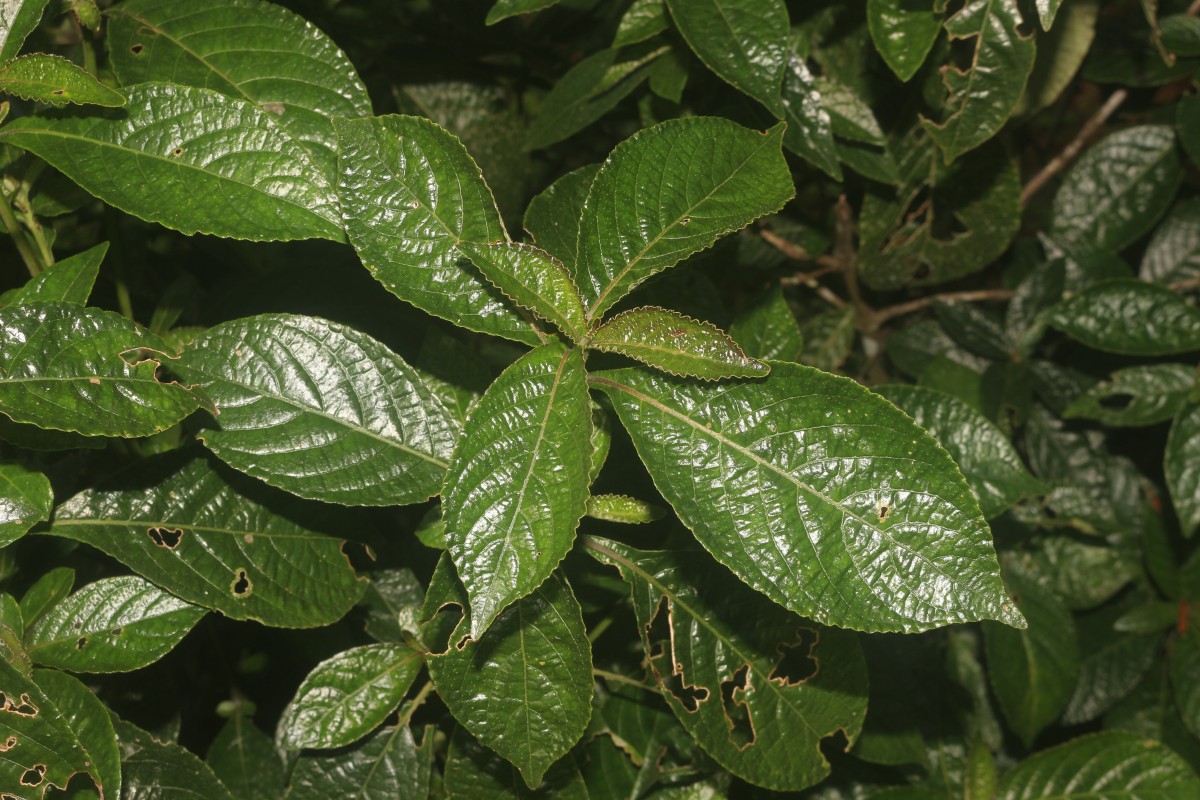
(826, 264)
(1187, 283)
(1075, 146)
(977, 296)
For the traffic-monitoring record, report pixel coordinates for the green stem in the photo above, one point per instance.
(416, 702)
(30, 220)
(600, 628)
(32, 262)
(89, 49)
(618, 678)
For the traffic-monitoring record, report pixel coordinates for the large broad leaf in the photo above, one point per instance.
(1129, 317)
(347, 696)
(1137, 395)
(1174, 250)
(87, 371)
(411, 193)
(903, 33)
(68, 281)
(320, 410)
(217, 541)
(743, 41)
(629, 230)
(44, 593)
(982, 451)
(983, 95)
(91, 723)
(525, 688)
(1114, 765)
(25, 500)
(157, 770)
(248, 49)
(197, 153)
(245, 760)
(473, 772)
(754, 696)
(1119, 189)
(676, 344)
(387, 766)
(518, 483)
(810, 130)
(18, 19)
(532, 279)
(1182, 467)
(56, 81)
(838, 506)
(393, 602)
(112, 625)
(552, 218)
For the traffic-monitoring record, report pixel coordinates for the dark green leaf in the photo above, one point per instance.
(1083, 573)
(386, 766)
(968, 325)
(828, 338)
(766, 328)
(753, 696)
(518, 482)
(87, 371)
(1130, 317)
(676, 344)
(406, 224)
(347, 696)
(860, 518)
(158, 770)
(622, 509)
(1182, 468)
(524, 688)
(503, 9)
(45, 592)
(1041, 289)
(1185, 665)
(810, 130)
(1110, 673)
(1047, 11)
(1187, 123)
(320, 410)
(25, 500)
(68, 281)
(200, 533)
(850, 115)
(474, 773)
(112, 625)
(1060, 54)
(18, 19)
(533, 279)
(91, 724)
(643, 19)
(1174, 250)
(244, 759)
(55, 80)
(629, 231)
(552, 218)
(1180, 34)
(903, 33)
(1137, 396)
(393, 602)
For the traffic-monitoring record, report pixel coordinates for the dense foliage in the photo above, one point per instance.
(740, 397)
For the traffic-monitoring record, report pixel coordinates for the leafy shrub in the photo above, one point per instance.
(817, 435)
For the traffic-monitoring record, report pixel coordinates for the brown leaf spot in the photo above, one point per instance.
(137, 49)
(34, 775)
(737, 710)
(274, 108)
(884, 510)
(166, 537)
(116, 632)
(23, 707)
(81, 643)
(94, 380)
(177, 152)
(59, 92)
(8, 744)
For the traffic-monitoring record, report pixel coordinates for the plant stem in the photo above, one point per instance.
(618, 678)
(32, 262)
(1075, 146)
(827, 264)
(416, 702)
(885, 314)
(601, 626)
(22, 203)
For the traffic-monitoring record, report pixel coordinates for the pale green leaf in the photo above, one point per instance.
(676, 344)
(474, 773)
(859, 518)
(210, 537)
(643, 19)
(411, 193)
(90, 722)
(18, 19)
(518, 482)
(111, 625)
(552, 218)
(1137, 396)
(622, 509)
(197, 154)
(244, 759)
(158, 770)
(25, 500)
(1181, 35)
(68, 281)
(56, 81)
(810, 130)
(1047, 11)
(347, 696)
(1182, 468)
(1129, 317)
(70, 368)
(503, 9)
(320, 410)
(766, 328)
(629, 230)
(744, 41)
(903, 33)
(1082, 572)
(1174, 250)
(386, 766)
(532, 279)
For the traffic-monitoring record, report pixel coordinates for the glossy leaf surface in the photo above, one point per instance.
(552, 218)
(472, 771)
(676, 344)
(622, 509)
(18, 19)
(810, 130)
(91, 723)
(1174, 250)
(903, 34)
(244, 759)
(68, 281)
(25, 500)
(385, 766)
(1129, 317)
(56, 81)
(159, 770)
(766, 328)
(1137, 396)
(532, 279)
(503, 9)
(1182, 468)
(844, 510)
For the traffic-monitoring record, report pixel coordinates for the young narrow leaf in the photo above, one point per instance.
(68, 281)
(518, 482)
(1137, 396)
(197, 153)
(859, 518)
(903, 33)
(473, 771)
(164, 770)
(622, 509)
(245, 760)
(532, 279)
(87, 371)
(754, 696)
(410, 194)
(45, 592)
(983, 95)
(1174, 250)
(18, 19)
(249, 49)
(503, 9)
(53, 80)
(347, 696)
(91, 723)
(210, 538)
(111, 625)
(320, 410)
(727, 175)
(26, 499)
(552, 218)
(810, 130)
(744, 41)
(1129, 317)
(982, 451)
(676, 344)
(1182, 468)
(387, 765)
(525, 688)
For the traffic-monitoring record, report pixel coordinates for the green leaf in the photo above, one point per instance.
(642, 20)
(45, 592)
(1182, 468)
(985, 455)
(753, 696)
(860, 519)
(524, 688)
(1187, 123)
(252, 50)
(1109, 673)
(91, 724)
(1185, 662)
(26, 499)
(744, 41)
(1136, 396)
(320, 410)
(503, 9)
(1129, 317)
(518, 483)
(1041, 289)
(197, 154)
(1174, 250)
(474, 772)
(411, 194)
(552, 218)
(215, 540)
(86, 371)
(1119, 189)
(1033, 671)
(158, 770)
(112, 625)
(828, 338)
(982, 96)
(54, 80)
(628, 231)
(393, 602)
(1047, 11)
(767, 328)
(68, 281)
(809, 132)
(1181, 34)
(968, 325)
(244, 759)
(1114, 765)
(1083, 573)
(676, 344)
(902, 34)
(387, 765)
(18, 19)
(533, 279)
(1060, 54)
(850, 115)
(622, 509)
(347, 696)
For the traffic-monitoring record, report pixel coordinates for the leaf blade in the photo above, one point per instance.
(676, 344)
